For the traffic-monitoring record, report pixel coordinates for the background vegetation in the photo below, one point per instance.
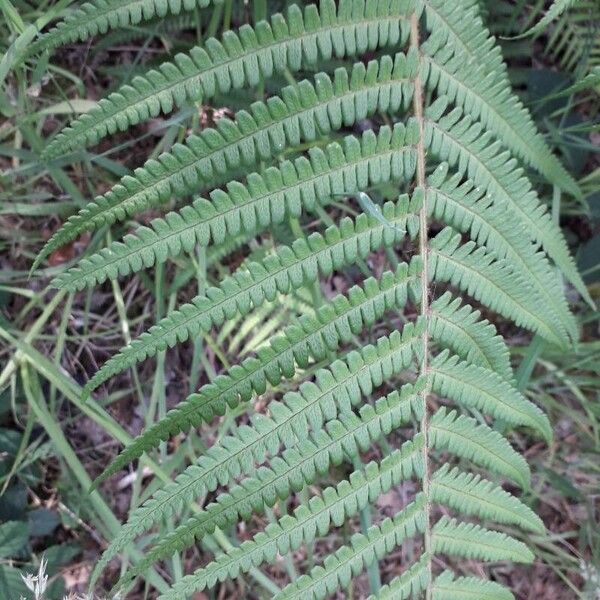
(52, 444)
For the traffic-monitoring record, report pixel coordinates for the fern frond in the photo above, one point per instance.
(349, 561)
(336, 391)
(287, 269)
(557, 8)
(468, 209)
(493, 283)
(297, 466)
(170, 25)
(100, 16)
(460, 141)
(311, 337)
(446, 587)
(264, 200)
(486, 391)
(466, 64)
(471, 495)
(241, 59)
(573, 42)
(460, 329)
(315, 518)
(408, 585)
(475, 542)
(462, 152)
(464, 437)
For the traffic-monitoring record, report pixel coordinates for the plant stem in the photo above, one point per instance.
(423, 252)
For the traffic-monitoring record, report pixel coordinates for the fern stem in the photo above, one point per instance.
(366, 522)
(423, 252)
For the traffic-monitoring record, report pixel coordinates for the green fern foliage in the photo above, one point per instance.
(331, 509)
(557, 8)
(447, 587)
(282, 192)
(467, 66)
(310, 338)
(100, 16)
(397, 163)
(472, 541)
(574, 43)
(241, 59)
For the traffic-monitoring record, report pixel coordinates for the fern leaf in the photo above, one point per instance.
(339, 568)
(291, 421)
(557, 8)
(486, 391)
(460, 329)
(264, 200)
(170, 25)
(572, 43)
(458, 140)
(471, 495)
(467, 209)
(315, 518)
(287, 269)
(493, 283)
(408, 585)
(499, 247)
(100, 16)
(446, 587)
(333, 323)
(471, 70)
(296, 467)
(464, 437)
(239, 60)
(78, 278)
(475, 542)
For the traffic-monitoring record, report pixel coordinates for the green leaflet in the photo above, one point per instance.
(466, 64)
(334, 323)
(100, 16)
(558, 8)
(309, 520)
(474, 386)
(475, 542)
(460, 329)
(281, 272)
(298, 465)
(466, 208)
(462, 142)
(492, 282)
(241, 59)
(466, 438)
(447, 587)
(472, 495)
(261, 201)
(339, 568)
